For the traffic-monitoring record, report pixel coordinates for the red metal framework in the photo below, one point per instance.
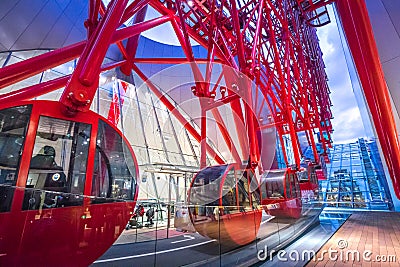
(269, 42)
(315, 11)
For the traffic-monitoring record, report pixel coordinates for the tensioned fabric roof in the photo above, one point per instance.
(38, 24)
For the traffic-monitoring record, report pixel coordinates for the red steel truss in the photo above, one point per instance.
(269, 42)
(315, 11)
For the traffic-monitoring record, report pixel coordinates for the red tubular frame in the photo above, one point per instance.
(45, 87)
(22, 70)
(360, 37)
(314, 93)
(83, 84)
(281, 56)
(132, 43)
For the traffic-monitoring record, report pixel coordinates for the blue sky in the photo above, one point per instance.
(347, 122)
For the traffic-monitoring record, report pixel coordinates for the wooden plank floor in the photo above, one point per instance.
(372, 237)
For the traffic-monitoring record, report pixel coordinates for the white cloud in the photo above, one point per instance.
(347, 123)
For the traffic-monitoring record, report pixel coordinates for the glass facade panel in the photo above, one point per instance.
(114, 173)
(353, 180)
(3, 58)
(13, 126)
(132, 124)
(58, 164)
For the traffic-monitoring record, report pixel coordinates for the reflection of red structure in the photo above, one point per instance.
(117, 101)
(320, 175)
(68, 213)
(308, 179)
(252, 40)
(280, 193)
(223, 205)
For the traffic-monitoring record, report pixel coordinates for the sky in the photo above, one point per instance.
(347, 122)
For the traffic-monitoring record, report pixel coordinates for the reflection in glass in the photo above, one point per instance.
(221, 207)
(280, 194)
(58, 165)
(13, 126)
(114, 175)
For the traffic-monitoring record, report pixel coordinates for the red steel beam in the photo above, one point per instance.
(29, 67)
(32, 66)
(46, 87)
(169, 60)
(182, 34)
(225, 134)
(102, 12)
(35, 90)
(284, 80)
(203, 134)
(202, 86)
(236, 27)
(133, 42)
(132, 9)
(359, 34)
(82, 86)
(238, 117)
(92, 21)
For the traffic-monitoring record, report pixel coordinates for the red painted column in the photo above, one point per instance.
(83, 84)
(203, 133)
(133, 42)
(360, 38)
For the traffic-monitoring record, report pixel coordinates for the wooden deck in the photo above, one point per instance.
(373, 236)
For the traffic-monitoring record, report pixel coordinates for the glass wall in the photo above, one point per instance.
(168, 157)
(151, 244)
(355, 180)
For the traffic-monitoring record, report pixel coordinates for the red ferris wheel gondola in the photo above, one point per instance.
(67, 185)
(68, 177)
(224, 204)
(308, 180)
(280, 193)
